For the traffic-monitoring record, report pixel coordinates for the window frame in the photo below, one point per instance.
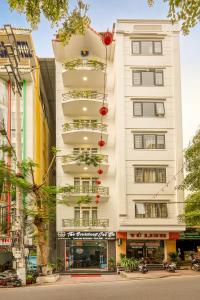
(154, 71)
(146, 203)
(142, 110)
(153, 47)
(156, 141)
(156, 174)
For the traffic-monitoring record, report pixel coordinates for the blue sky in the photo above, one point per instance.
(103, 14)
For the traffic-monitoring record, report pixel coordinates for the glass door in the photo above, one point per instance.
(86, 216)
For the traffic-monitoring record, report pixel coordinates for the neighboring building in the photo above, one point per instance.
(34, 111)
(139, 202)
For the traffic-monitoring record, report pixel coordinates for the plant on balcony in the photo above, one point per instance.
(84, 200)
(66, 126)
(82, 94)
(92, 63)
(89, 159)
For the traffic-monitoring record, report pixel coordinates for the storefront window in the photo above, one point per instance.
(86, 254)
(152, 251)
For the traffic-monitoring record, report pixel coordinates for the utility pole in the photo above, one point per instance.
(19, 250)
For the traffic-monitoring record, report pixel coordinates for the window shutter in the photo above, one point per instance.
(135, 47)
(138, 141)
(137, 109)
(136, 78)
(158, 47)
(158, 78)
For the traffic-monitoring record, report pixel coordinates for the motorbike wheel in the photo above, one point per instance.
(17, 283)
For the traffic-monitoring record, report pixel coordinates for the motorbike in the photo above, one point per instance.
(9, 280)
(169, 266)
(142, 267)
(195, 264)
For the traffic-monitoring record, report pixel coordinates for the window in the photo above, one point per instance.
(148, 109)
(151, 210)
(151, 77)
(150, 175)
(85, 185)
(147, 47)
(149, 141)
(86, 213)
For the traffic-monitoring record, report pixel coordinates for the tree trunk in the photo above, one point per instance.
(42, 244)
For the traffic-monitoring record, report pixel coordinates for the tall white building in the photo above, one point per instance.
(142, 157)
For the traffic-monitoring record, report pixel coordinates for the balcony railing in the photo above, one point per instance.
(85, 156)
(85, 223)
(84, 124)
(84, 64)
(88, 190)
(90, 95)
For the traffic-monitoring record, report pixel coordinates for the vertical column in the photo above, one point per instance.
(24, 131)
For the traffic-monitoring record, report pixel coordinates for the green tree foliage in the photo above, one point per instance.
(191, 183)
(185, 11)
(57, 12)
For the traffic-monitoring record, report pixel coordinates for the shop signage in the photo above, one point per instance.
(148, 236)
(150, 244)
(82, 235)
(193, 235)
(5, 241)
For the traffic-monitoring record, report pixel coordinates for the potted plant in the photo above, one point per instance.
(111, 264)
(30, 279)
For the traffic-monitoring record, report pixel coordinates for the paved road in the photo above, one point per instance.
(187, 288)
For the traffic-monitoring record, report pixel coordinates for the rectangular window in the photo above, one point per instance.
(152, 77)
(150, 175)
(149, 141)
(147, 47)
(148, 109)
(151, 210)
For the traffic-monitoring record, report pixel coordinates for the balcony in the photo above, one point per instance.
(83, 73)
(84, 162)
(84, 132)
(74, 193)
(82, 223)
(80, 103)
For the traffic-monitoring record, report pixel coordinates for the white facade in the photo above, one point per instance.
(168, 124)
(147, 74)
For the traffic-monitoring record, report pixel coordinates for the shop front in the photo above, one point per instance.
(188, 243)
(147, 245)
(88, 250)
(154, 246)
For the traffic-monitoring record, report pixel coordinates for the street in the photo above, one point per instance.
(155, 289)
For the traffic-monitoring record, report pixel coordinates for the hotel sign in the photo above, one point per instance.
(82, 235)
(148, 236)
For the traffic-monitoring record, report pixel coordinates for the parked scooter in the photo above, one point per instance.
(195, 264)
(9, 280)
(169, 266)
(142, 267)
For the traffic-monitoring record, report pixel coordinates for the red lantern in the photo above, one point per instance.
(101, 143)
(98, 197)
(107, 38)
(98, 181)
(100, 171)
(103, 110)
(97, 201)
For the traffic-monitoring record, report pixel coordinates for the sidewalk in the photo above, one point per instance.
(157, 274)
(77, 279)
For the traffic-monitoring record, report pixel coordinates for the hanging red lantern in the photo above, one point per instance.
(103, 110)
(107, 38)
(101, 143)
(98, 196)
(98, 181)
(97, 201)
(100, 171)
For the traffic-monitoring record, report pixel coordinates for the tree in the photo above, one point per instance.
(58, 14)
(185, 11)
(192, 183)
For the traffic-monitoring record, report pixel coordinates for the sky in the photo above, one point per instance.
(103, 14)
